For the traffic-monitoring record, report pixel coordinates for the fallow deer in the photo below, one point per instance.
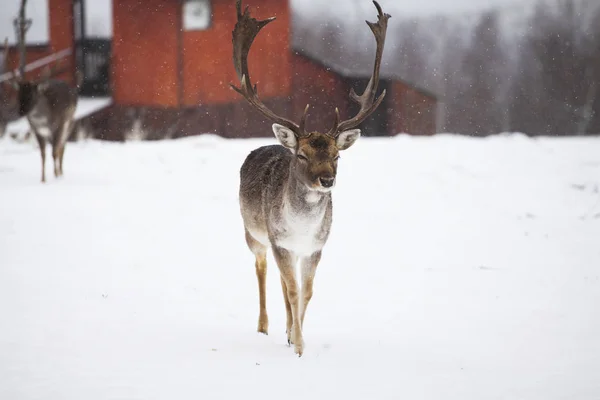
(285, 190)
(49, 106)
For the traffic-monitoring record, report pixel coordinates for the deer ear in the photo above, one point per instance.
(347, 138)
(42, 86)
(285, 136)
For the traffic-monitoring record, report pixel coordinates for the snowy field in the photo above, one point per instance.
(457, 269)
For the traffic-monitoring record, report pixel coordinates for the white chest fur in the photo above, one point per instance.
(301, 233)
(40, 122)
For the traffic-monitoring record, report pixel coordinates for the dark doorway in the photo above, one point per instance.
(92, 56)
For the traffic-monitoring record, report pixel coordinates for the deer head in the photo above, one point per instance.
(13, 81)
(28, 90)
(316, 153)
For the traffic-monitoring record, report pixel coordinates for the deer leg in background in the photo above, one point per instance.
(260, 252)
(61, 154)
(63, 143)
(56, 151)
(309, 268)
(286, 261)
(288, 311)
(42, 144)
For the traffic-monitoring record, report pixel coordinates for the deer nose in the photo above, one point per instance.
(326, 182)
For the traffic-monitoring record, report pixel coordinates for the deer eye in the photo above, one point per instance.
(336, 158)
(301, 157)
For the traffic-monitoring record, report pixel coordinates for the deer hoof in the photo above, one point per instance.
(263, 324)
(299, 349)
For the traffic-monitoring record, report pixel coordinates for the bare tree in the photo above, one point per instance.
(476, 105)
(569, 66)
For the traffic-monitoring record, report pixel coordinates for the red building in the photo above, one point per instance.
(170, 66)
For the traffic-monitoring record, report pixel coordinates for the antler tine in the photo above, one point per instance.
(23, 27)
(245, 31)
(5, 68)
(5, 56)
(303, 119)
(367, 101)
(51, 71)
(336, 123)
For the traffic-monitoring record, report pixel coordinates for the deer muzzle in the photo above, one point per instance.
(327, 182)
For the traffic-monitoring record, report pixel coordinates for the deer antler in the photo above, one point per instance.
(367, 101)
(12, 79)
(50, 71)
(5, 56)
(22, 24)
(245, 31)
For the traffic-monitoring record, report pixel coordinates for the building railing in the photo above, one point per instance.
(38, 63)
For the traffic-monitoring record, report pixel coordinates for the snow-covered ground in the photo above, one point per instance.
(457, 269)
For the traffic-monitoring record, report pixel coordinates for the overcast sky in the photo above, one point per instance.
(98, 19)
(36, 10)
(445, 6)
(405, 7)
(99, 22)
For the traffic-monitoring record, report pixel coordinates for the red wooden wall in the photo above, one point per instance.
(411, 111)
(208, 64)
(144, 57)
(148, 52)
(323, 89)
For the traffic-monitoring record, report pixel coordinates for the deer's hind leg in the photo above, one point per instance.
(56, 145)
(61, 154)
(63, 143)
(42, 144)
(260, 252)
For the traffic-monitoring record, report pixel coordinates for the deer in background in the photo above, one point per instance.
(48, 104)
(285, 190)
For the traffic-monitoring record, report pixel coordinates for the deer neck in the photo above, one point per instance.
(301, 200)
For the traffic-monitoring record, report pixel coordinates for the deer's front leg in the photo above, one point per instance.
(61, 155)
(308, 268)
(286, 262)
(288, 312)
(56, 155)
